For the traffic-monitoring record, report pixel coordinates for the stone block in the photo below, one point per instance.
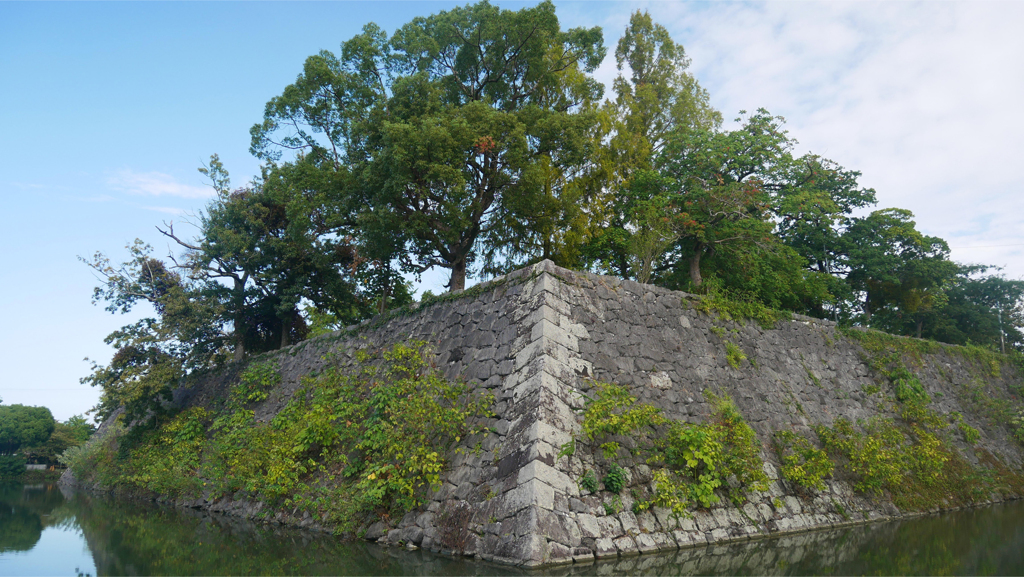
(626, 545)
(582, 555)
(548, 475)
(605, 547)
(689, 538)
(647, 523)
(610, 526)
(558, 553)
(645, 543)
(589, 526)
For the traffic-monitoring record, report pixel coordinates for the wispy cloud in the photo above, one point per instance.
(155, 184)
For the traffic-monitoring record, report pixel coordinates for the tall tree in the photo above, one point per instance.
(724, 183)
(445, 123)
(896, 268)
(655, 96)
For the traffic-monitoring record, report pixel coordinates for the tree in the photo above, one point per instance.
(655, 97)
(979, 308)
(443, 124)
(895, 268)
(71, 433)
(723, 182)
(261, 249)
(23, 426)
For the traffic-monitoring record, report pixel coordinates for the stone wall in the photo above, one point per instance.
(539, 339)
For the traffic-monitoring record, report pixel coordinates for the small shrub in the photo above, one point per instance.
(876, 457)
(802, 462)
(615, 479)
(255, 382)
(588, 481)
(613, 411)
(970, 434)
(1017, 425)
(737, 307)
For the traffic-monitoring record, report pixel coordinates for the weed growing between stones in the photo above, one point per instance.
(802, 463)
(1018, 426)
(345, 446)
(588, 481)
(694, 460)
(615, 479)
(734, 355)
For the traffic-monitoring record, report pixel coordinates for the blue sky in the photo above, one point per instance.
(107, 109)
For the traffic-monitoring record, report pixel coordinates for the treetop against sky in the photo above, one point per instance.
(116, 105)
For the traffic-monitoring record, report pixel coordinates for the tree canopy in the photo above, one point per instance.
(22, 426)
(476, 140)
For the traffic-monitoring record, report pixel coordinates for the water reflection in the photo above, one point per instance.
(127, 537)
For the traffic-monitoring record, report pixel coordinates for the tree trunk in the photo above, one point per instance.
(458, 278)
(920, 325)
(695, 278)
(286, 325)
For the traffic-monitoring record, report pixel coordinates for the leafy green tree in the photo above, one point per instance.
(896, 269)
(655, 96)
(66, 435)
(453, 121)
(724, 183)
(263, 248)
(23, 426)
(982, 309)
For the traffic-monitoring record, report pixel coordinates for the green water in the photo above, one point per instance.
(46, 532)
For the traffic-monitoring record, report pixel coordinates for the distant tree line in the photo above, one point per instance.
(477, 140)
(32, 435)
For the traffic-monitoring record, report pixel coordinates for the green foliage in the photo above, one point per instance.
(802, 462)
(567, 450)
(588, 481)
(615, 479)
(700, 459)
(23, 426)
(343, 447)
(875, 457)
(612, 411)
(1017, 422)
(464, 126)
(70, 433)
(734, 355)
(697, 459)
(166, 460)
(12, 466)
(734, 307)
(255, 383)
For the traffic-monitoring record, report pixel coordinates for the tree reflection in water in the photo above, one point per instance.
(132, 537)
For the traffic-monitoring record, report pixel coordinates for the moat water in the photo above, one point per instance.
(44, 531)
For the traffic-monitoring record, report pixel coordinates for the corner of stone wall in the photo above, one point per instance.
(536, 527)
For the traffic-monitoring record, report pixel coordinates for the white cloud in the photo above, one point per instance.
(922, 98)
(155, 184)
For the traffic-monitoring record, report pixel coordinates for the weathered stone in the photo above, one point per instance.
(375, 531)
(538, 339)
(629, 524)
(605, 547)
(610, 526)
(626, 545)
(589, 526)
